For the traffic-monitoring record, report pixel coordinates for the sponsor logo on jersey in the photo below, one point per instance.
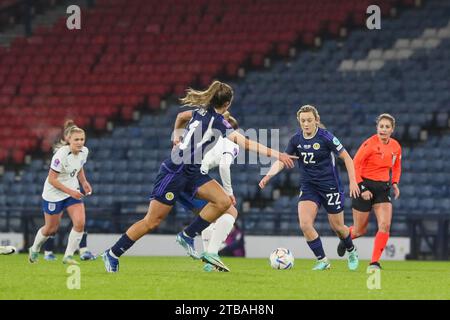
(336, 141)
(307, 146)
(56, 162)
(51, 206)
(299, 146)
(316, 146)
(169, 196)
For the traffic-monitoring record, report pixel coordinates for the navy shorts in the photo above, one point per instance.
(331, 198)
(170, 183)
(190, 202)
(50, 207)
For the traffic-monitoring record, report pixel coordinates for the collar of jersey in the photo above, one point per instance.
(303, 135)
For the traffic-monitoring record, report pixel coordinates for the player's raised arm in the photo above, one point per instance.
(180, 123)
(254, 146)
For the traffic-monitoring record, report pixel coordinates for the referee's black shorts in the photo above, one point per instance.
(381, 193)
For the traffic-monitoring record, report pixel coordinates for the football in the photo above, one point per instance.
(281, 259)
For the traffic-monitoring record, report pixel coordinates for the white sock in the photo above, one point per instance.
(221, 231)
(48, 253)
(39, 240)
(83, 250)
(73, 243)
(206, 236)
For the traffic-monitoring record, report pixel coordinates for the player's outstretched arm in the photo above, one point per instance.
(274, 170)
(254, 146)
(354, 189)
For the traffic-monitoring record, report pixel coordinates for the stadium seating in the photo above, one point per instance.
(130, 54)
(123, 71)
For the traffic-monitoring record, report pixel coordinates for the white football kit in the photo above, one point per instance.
(222, 155)
(68, 166)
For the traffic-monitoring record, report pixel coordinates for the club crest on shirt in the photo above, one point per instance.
(316, 146)
(169, 196)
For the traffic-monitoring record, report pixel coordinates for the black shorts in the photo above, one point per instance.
(381, 193)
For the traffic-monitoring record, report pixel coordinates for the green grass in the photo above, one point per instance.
(174, 278)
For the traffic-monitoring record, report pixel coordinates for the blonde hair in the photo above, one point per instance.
(310, 108)
(232, 120)
(69, 128)
(386, 116)
(217, 94)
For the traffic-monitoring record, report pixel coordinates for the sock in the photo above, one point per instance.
(73, 243)
(348, 243)
(83, 250)
(380, 243)
(196, 227)
(49, 244)
(206, 236)
(38, 241)
(83, 242)
(122, 245)
(48, 252)
(317, 248)
(223, 228)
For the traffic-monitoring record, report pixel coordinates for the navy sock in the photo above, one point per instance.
(49, 245)
(317, 248)
(83, 242)
(348, 242)
(122, 245)
(196, 227)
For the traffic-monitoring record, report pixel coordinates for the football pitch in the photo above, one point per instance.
(181, 278)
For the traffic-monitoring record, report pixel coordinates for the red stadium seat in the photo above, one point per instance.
(132, 52)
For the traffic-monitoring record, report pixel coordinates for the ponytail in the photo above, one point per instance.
(69, 128)
(215, 96)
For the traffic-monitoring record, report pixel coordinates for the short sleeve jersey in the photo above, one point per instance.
(202, 133)
(317, 161)
(68, 165)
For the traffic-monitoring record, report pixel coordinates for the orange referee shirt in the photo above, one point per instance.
(375, 159)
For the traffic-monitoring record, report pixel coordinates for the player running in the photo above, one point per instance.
(375, 158)
(181, 172)
(319, 183)
(222, 156)
(62, 191)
